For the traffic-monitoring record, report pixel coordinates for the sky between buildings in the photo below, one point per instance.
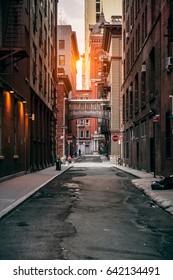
(72, 12)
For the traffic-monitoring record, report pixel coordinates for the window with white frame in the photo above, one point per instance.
(87, 133)
(81, 134)
(87, 122)
(81, 122)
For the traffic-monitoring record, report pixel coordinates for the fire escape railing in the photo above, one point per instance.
(13, 39)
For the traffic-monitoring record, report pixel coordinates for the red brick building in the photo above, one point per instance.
(62, 128)
(27, 85)
(147, 85)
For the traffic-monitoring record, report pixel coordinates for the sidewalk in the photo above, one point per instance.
(16, 190)
(163, 198)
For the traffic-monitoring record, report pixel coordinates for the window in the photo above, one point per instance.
(132, 14)
(132, 52)
(123, 108)
(152, 74)
(45, 8)
(81, 122)
(61, 60)
(136, 93)
(45, 40)
(97, 17)
(127, 144)
(87, 122)
(127, 104)
(34, 70)
(143, 129)
(131, 100)
(146, 21)
(97, 7)
(143, 88)
(143, 27)
(137, 131)
(27, 6)
(153, 11)
(34, 15)
(61, 44)
(81, 134)
(45, 81)
(138, 38)
(87, 133)
(40, 73)
(40, 30)
(131, 133)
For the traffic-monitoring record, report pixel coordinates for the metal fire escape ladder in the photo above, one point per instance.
(13, 43)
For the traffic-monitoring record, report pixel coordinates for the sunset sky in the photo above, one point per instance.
(72, 13)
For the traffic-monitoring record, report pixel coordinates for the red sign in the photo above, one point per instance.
(115, 138)
(156, 118)
(69, 136)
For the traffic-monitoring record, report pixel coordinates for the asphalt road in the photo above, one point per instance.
(88, 212)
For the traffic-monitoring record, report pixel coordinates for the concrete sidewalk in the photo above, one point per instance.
(16, 190)
(163, 198)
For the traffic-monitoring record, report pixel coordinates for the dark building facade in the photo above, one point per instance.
(148, 85)
(27, 85)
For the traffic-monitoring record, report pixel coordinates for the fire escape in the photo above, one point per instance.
(12, 48)
(105, 69)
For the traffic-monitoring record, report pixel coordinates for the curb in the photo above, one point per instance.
(11, 207)
(165, 204)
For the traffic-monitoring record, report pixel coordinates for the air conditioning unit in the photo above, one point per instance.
(143, 68)
(127, 35)
(130, 88)
(131, 27)
(169, 63)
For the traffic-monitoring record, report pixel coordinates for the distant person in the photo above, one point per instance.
(79, 152)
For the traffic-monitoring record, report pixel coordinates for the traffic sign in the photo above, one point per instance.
(69, 136)
(156, 119)
(115, 138)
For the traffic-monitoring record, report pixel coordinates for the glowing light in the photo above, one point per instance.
(21, 110)
(79, 74)
(7, 101)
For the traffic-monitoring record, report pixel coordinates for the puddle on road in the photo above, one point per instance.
(74, 187)
(71, 186)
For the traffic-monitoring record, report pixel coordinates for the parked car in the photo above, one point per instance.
(163, 184)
